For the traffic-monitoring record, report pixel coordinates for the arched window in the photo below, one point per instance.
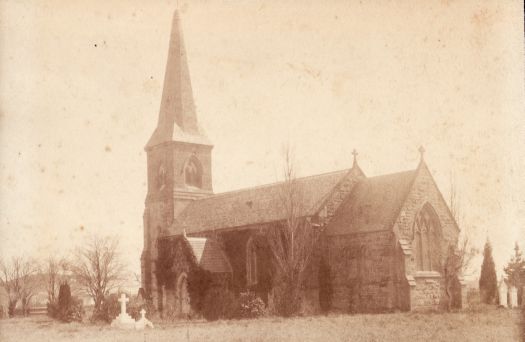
(183, 295)
(193, 172)
(161, 177)
(251, 262)
(426, 239)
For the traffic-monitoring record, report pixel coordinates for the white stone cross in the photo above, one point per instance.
(143, 313)
(123, 300)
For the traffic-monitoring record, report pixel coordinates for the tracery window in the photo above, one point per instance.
(426, 239)
(251, 262)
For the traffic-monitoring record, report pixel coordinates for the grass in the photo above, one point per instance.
(489, 324)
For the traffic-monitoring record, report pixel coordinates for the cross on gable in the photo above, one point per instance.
(421, 151)
(354, 153)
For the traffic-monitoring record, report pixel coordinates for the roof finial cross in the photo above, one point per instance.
(421, 152)
(354, 153)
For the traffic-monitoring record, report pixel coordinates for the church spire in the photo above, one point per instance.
(177, 116)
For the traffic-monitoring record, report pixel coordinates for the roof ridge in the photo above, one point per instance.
(269, 185)
(391, 174)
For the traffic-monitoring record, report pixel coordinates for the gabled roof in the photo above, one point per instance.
(373, 204)
(209, 255)
(254, 205)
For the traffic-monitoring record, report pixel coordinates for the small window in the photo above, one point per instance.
(161, 177)
(251, 263)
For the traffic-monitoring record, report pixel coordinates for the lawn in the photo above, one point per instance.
(488, 325)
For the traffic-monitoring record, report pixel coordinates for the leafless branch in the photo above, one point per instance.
(292, 241)
(97, 268)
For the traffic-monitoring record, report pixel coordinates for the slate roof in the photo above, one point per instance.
(209, 255)
(373, 204)
(254, 205)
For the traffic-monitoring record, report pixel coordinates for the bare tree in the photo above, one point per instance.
(97, 268)
(291, 241)
(453, 200)
(54, 273)
(30, 282)
(457, 261)
(458, 256)
(10, 281)
(20, 279)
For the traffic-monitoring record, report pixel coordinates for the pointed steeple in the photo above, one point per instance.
(177, 116)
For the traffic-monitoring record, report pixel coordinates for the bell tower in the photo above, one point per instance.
(178, 157)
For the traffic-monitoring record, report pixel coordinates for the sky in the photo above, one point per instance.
(81, 82)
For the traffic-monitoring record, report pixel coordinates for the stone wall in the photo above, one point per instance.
(167, 196)
(427, 292)
(426, 288)
(361, 270)
(424, 190)
(341, 192)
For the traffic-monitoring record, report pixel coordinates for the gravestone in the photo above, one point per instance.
(143, 321)
(513, 296)
(503, 288)
(123, 320)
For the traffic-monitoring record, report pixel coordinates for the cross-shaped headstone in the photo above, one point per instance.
(143, 313)
(123, 300)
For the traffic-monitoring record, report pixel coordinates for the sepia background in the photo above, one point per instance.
(80, 88)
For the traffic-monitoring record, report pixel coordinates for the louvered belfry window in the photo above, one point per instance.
(193, 172)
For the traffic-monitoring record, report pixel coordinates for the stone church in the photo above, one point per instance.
(383, 242)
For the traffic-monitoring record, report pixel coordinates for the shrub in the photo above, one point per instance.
(135, 305)
(251, 306)
(109, 309)
(219, 303)
(488, 282)
(66, 308)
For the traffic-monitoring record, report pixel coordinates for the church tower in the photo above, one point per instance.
(178, 157)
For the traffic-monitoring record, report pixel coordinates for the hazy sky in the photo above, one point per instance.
(81, 81)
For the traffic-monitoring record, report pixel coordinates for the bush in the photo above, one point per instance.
(109, 309)
(473, 297)
(66, 308)
(251, 306)
(135, 305)
(219, 303)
